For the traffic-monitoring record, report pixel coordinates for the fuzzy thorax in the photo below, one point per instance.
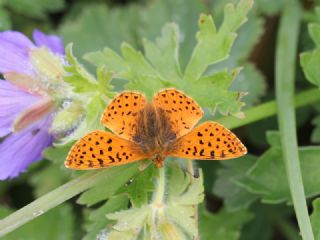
(154, 134)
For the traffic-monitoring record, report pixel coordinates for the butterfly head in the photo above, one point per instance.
(158, 160)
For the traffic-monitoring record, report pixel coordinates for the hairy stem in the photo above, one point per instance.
(285, 69)
(160, 189)
(192, 173)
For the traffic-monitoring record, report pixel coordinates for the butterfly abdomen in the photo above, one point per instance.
(154, 131)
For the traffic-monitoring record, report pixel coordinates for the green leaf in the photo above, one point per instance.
(185, 14)
(77, 76)
(132, 219)
(150, 76)
(97, 26)
(221, 98)
(222, 225)
(310, 64)
(310, 60)
(214, 46)
(250, 79)
(314, 30)
(98, 220)
(235, 197)
(164, 54)
(141, 187)
(267, 177)
(57, 224)
(57, 154)
(315, 218)
(35, 8)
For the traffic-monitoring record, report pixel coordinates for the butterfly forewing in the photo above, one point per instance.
(209, 141)
(121, 114)
(101, 149)
(182, 111)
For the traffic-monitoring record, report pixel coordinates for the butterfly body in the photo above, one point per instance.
(153, 130)
(154, 134)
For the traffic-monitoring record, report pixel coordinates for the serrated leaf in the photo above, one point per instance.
(141, 187)
(194, 193)
(185, 14)
(98, 220)
(221, 98)
(181, 215)
(164, 54)
(177, 180)
(57, 224)
(132, 219)
(77, 76)
(151, 76)
(268, 176)
(234, 196)
(96, 26)
(214, 46)
(222, 225)
(315, 218)
(250, 79)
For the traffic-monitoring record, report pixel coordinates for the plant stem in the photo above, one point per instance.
(196, 217)
(160, 189)
(285, 69)
(158, 202)
(58, 196)
(269, 109)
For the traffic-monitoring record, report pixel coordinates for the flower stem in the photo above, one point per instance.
(269, 109)
(60, 195)
(285, 70)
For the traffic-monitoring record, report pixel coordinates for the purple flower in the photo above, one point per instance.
(26, 105)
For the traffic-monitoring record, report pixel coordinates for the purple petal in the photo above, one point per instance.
(12, 102)
(21, 149)
(54, 43)
(16, 38)
(14, 48)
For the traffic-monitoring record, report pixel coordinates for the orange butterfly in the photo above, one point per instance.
(153, 130)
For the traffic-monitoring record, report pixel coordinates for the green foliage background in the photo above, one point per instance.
(150, 45)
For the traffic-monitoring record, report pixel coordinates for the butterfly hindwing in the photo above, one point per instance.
(182, 111)
(121, 114)
(209, 141)
(100, 149)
